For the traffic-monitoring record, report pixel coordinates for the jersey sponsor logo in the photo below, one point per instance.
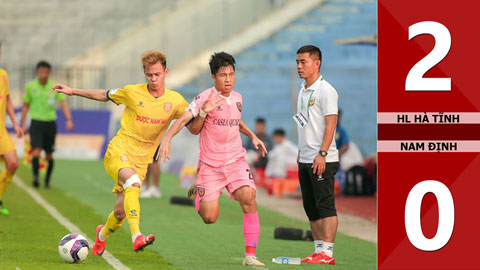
(124, 158)
(312, 102)
(140, 104)
(239, 106)
(201, 191)
(226, 122)
(111, 92)
(167, 107)
(151, 121)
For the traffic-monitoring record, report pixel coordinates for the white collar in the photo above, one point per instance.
(227, 98)
(314, 86)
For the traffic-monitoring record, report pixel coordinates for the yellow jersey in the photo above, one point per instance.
(144, 120)
(4, 92)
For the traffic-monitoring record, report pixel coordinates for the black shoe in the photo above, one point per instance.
(47, 183)
(35, 183)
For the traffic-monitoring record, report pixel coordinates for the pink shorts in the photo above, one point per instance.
(212, 180)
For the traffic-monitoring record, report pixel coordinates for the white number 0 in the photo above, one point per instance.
(443, 41)
(446, 215)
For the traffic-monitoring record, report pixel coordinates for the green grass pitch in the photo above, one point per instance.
(81, 192)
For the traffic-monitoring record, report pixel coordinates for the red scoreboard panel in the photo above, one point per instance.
(428, 134)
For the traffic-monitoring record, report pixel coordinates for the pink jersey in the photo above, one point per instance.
(220, 141)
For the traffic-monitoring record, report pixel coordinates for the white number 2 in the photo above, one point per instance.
(446, 215)
(443, 41)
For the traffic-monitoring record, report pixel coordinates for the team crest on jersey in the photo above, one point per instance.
(167, 107)
(312, 102)
(140, 104)
(239, 106)
(124, 158)
(201, 191)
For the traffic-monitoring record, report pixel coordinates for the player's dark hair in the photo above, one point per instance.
(221, 59)
(312, 50)
(279, 132)
(44, 64)
(260, 120)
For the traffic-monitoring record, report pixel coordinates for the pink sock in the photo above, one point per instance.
(197, 203)
(251, 232)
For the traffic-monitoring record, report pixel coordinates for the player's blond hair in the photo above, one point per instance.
(152, 57)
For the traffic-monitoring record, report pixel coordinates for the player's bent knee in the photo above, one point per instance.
(119, 214)
(133, 181)
(136, 185)
(12, 167)
(249, 205)
(209, 219)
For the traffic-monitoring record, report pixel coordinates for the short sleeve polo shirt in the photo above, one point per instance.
(316, 102)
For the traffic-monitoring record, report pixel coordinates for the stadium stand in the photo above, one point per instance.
(267, 79)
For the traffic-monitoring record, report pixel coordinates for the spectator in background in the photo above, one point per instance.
(260, 162)
(348, 152)
(42, 103)
(282, 156)
(341, 136)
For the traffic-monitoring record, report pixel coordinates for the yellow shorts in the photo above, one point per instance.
(6, 144)
(115, 160)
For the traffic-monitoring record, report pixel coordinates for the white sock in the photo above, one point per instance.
(318, 245)
(328, 249)
(135, 236)
(100, 236)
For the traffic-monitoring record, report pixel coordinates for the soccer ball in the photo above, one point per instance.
(73, 248)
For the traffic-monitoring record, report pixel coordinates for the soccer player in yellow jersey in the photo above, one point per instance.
(7, 149)
(149, 109)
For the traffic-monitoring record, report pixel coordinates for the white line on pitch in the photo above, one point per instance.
(114, 262)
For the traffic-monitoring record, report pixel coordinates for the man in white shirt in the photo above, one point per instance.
(316, 117)
(282, 157)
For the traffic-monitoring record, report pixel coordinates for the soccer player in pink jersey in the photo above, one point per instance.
(222, 161)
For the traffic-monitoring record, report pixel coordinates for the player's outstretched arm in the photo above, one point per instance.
(11, 113)
(196, 126)
(100, 94)
(255, 140)
(164, 150)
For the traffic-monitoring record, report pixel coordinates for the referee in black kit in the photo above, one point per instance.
(316, 117)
